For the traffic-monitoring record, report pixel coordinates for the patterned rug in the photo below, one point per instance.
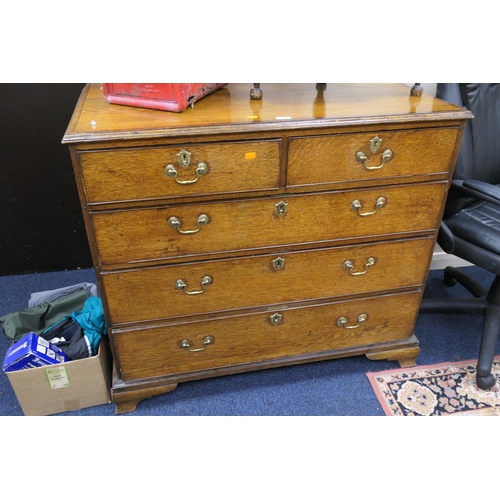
(447, 389)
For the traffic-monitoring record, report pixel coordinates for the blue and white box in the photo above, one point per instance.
(32, 351)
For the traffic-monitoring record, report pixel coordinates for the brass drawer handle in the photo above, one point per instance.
(350, 266)
(184, 159)
(362, 158)
(357, 206)
(201, 169)
(182, 285)
(343, 321)
(206, 341)
(203, 220)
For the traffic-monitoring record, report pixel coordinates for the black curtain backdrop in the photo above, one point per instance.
(41, 225)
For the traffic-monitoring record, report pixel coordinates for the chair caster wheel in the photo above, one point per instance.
(486, 383)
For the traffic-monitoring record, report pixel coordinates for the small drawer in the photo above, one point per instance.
(141, 236)
(237, 340)
(178, 171)
(229, 284)
(342, 158)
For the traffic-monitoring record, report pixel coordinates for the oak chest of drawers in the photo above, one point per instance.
(241, 235)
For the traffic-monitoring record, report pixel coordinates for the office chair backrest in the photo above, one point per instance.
(479, 156)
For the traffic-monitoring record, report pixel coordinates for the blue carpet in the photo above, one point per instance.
(331, 388)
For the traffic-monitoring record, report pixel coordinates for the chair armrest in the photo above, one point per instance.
(478, 189)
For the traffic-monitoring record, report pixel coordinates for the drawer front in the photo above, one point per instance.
(350, 157)
(263, 336)
(142, 173)
(145, 235)
(153, 294)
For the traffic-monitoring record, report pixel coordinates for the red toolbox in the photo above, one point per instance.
(165, 96)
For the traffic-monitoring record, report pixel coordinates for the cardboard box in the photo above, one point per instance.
(32, 351)
(65, 386)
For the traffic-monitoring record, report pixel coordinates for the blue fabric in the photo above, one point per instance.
(91, 320)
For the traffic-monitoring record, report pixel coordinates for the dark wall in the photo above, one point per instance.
(41, 225)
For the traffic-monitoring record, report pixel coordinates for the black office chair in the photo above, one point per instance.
(471, 224)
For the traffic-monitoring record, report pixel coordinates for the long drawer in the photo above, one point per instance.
(228, 284)
(362, 157)
(179, 171)
(201, 345)
(144, 235)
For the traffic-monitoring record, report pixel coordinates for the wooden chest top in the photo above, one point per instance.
(284, 107)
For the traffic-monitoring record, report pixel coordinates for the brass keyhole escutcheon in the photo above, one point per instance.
(276, 318)
(279, 263)
(281, 208)
(375, 144)
(184, 158)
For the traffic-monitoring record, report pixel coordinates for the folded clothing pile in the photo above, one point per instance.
(71, 318)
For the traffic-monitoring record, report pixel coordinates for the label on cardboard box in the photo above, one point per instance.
(57, 377)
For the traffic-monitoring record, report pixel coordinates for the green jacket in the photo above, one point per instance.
(36, 319)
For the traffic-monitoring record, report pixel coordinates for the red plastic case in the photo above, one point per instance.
(164, 96)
